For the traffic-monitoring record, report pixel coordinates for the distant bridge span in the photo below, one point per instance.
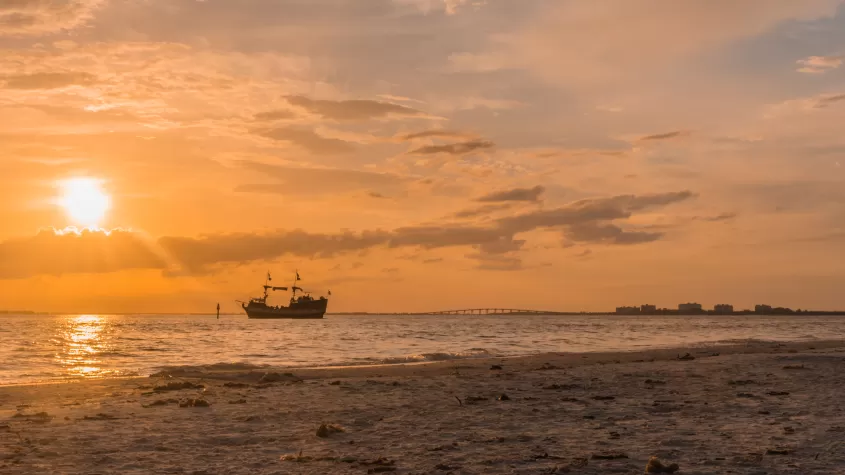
(491, 311)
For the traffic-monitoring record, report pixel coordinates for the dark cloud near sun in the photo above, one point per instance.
(494, 243)
(517, 194)
(461, 148)
(356, 109)
(87, 252)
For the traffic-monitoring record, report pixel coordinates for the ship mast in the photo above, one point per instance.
(267, 286)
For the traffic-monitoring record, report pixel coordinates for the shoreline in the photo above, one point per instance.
(248, 372)
(772, 408)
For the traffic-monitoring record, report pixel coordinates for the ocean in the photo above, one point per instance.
(37, 348)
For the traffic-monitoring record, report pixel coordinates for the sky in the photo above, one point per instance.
(418, 155)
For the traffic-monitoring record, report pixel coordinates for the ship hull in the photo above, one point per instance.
(316, 310)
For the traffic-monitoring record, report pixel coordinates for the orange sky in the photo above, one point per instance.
(424, 154)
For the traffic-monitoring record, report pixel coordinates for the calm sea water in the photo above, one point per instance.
(49, 348)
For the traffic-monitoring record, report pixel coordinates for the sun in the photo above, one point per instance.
(84, 201)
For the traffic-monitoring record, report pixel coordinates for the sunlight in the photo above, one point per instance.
(84, 201)
(81, 345)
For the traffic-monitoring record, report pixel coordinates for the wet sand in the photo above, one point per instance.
(758, 408)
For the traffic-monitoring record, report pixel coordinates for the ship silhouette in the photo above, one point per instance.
(303, 306)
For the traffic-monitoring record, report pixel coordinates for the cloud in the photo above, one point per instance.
(298, 180)
(278, 114)
(603, 43)
(496, 262)
(436, 133)
(28, 17)
(819, 64)
(197, 255)
(717, 218)
(823, 102)
(307, 139)
(495, 244)
(351, 109)
(609, 234)
(454, 148)
(57, 253)
(664, 136)
(481, 210)
(517, 194)
(47, 80)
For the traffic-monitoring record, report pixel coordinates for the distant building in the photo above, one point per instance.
(690, 308)
(648, 309)
(763, 309)
(627, 310)
(724, 309)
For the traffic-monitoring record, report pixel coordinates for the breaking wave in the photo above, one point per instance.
(425, 357)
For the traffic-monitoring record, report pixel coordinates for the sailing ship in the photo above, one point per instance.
(303, 306)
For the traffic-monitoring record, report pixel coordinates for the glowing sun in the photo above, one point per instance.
(84, 201)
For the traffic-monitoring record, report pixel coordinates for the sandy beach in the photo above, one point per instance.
(761, 408)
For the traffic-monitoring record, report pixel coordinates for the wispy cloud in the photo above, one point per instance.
(664, 136)
(357, 109)
(461, 148)
(819, 64)
(516, 194)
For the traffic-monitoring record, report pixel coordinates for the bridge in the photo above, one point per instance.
(491, 311)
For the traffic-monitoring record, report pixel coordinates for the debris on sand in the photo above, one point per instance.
(655, 382)
(235, 385)
(746, 395)
(495, 367)
(238, 401)
(296, 458)
(562, 387)
(474, 399)
(40, 417)
(777, 451)
(777, 393)
(100, 417)
(5, 427)
(603, 398)
(325, 430)
(741, 382)
(654, 465)
(161, 402)
(276, 377)
(503, 397)
(381, 469)
(686, 357)
(795, 366)
(380, 465)
(609, 456)
(177, 386)
(445, 468)
(547, 367)
(335, 383)
(788, 430)
(198, 402)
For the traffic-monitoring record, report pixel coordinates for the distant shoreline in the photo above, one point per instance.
(710, 313)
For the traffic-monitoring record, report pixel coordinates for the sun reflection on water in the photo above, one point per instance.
(82, 342)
